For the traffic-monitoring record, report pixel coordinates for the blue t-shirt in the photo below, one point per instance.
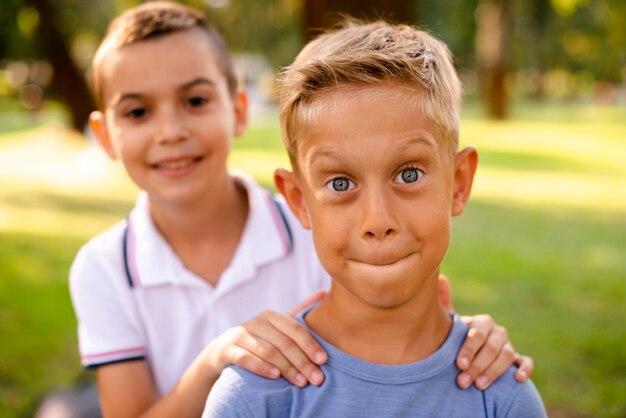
(356, 388)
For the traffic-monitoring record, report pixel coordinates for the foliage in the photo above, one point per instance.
(582, 38)
(573, 35)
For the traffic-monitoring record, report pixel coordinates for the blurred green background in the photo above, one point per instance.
(541, 246)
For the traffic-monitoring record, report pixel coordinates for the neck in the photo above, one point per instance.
(205, 233)
(201, 219)
(403, 334)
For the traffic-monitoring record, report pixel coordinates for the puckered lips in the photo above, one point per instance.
(177, 166)
(382, 259)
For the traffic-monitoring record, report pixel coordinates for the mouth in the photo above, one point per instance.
(382, 260)
(176, 164)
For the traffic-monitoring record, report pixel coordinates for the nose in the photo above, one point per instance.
(378, 218)
(171, 127)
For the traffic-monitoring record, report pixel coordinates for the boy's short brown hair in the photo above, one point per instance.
(361, 54)
(153, 19)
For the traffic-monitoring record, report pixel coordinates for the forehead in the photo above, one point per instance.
(159, 63)
(389, 112)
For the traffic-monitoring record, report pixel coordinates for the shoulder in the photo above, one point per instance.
(240, 393)
(102, 245)
(509, 398)
(244, 381)
(98, 259)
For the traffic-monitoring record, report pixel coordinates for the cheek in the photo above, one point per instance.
(333, 229)
(430, 220)
(436, 232)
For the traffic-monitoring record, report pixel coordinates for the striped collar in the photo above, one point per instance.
(267, 236)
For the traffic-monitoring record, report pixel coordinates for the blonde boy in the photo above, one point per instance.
(370, 118)
(159, 297)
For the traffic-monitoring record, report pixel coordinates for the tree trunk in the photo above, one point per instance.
(322, 14)
(492, 37)
(67, 82)
(540, 14)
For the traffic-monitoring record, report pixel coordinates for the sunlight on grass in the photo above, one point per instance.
(549, 190)
(46, 172)
(592, 173)
(259, 164)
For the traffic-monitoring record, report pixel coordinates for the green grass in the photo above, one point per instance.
(540, 247)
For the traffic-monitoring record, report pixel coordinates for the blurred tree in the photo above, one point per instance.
(452, 21)
(492, 40)
(535, 28)
(556, 48)
(321, 14)
(68, 82)
(268, 27)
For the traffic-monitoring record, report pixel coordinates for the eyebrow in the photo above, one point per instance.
(419, 139)
(186, 86)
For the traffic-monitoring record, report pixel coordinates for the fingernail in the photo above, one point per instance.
(463, 363)
(464, 380)
(481, 382)
(320, 357)
(522, 374)
(300, 380)
(274, 373)
(316, 378)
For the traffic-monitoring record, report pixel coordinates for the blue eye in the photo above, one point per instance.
(409, 175)
(340, 184)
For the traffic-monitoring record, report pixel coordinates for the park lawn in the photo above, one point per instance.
(540, 247)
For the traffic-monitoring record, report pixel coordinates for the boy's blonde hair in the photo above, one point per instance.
(360, 54)
(153, 19)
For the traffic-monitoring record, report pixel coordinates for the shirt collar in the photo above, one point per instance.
(266, 237)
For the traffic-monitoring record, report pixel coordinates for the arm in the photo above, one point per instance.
(128, 390)
(487, 352)
(270, 345)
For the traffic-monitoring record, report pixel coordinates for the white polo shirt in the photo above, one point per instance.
(134, 298)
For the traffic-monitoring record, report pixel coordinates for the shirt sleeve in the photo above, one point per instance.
(225, 399)
(526, 402)
(109, 328)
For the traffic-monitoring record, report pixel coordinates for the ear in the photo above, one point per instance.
(240, 101)
(287, 183)
(98, 126)
(465, 168)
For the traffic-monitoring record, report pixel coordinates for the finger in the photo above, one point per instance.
(499, 366)
(314, 298)
(480, 326)
(445, 293)
(257, 352)
(298, 346)
(245, 358)
(525, 366)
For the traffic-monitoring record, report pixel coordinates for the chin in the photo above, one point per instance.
(385, 287)
(382, 294)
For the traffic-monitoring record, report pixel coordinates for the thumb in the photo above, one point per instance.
(313, 299)
(445, 293)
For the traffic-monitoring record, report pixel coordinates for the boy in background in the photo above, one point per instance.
(370, 118)
(160, 297)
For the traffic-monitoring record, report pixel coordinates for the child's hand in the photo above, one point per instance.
(270, 345)
(487, 352)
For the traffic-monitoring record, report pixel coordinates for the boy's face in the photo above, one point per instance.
(377, 187)
(168, 114)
